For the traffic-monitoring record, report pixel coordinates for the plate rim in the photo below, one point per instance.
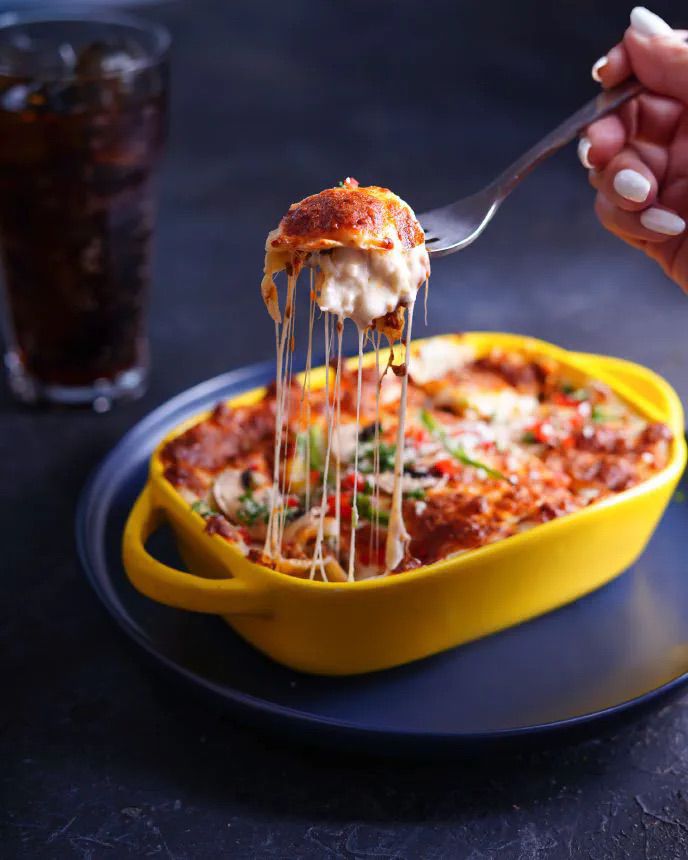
(255, 374)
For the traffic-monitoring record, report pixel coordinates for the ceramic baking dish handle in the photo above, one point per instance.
(175, 587)
(644, 384)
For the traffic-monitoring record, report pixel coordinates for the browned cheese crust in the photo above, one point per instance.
(370, 217)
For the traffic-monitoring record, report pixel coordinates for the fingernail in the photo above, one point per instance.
(597, 66)
(583, 150)
(646, 23)
(661, 221)
(632, 185)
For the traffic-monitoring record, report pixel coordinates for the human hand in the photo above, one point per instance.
(638, 156)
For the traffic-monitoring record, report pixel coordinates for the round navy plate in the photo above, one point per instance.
(599, 657)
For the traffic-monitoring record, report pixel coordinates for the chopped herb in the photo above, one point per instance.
(456, 451)
(317, 441)
(200, 506)
(387, 457)
(575, 393)
(679, 496)
(429, 422)
(366, 509)
(418, 493)
(599, 416)
(292, 514)
(460, 455)
(251, 511)
(300, 456)
(387, 454)
(529, 437)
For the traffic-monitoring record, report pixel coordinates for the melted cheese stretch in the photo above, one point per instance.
(274, 531)
(397, 536)
(344, 282)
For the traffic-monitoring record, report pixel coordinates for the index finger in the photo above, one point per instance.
(607, 138)
(613, 68)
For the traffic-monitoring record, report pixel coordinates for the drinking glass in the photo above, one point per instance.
(82, 124)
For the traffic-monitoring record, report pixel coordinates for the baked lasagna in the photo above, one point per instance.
(492, 445)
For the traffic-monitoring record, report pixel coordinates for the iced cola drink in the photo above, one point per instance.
(82, 123)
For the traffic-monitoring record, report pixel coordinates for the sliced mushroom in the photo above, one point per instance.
(228, 490)
(344, 443)
(436, 357)
(305, 528)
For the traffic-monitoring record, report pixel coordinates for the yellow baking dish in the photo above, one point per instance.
(342, 629)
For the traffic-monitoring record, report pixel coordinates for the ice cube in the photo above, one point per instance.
(68, 56)
(100, 59)
(30, 57)
(16, 97)
(55, 96)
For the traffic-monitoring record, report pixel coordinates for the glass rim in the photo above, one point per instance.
(80, 15)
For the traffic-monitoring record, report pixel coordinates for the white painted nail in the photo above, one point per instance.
(632, 185)
(646, 23)
(597, 66)
(583, 150)
(661, 221)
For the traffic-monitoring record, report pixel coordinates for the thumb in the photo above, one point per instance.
(658, 55)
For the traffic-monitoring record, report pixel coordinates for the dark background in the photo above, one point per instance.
(100, 756)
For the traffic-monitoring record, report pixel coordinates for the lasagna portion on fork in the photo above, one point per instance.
(366, 247)
(366, 254)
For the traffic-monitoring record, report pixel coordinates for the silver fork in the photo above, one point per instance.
(451, 228)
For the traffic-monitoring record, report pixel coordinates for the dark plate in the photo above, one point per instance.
(611, 651)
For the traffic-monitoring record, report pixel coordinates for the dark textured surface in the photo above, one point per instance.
(102, 757)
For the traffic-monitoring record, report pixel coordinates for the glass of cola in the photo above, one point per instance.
(82, 125)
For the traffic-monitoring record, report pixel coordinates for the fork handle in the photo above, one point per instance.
(606, 102)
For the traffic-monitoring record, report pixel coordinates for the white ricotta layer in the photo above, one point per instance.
(435, 358)
(364, 285)
(504, 406)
